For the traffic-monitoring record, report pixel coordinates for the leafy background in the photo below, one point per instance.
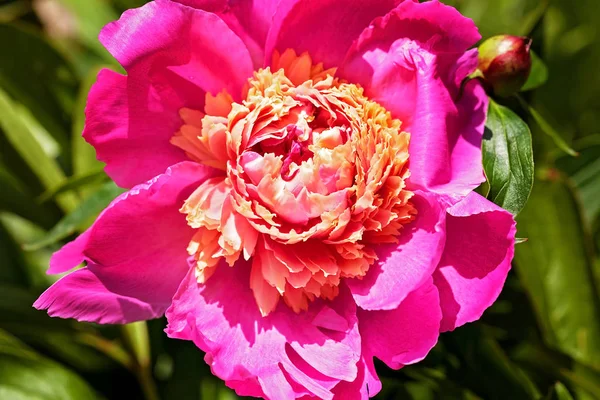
(541, 340)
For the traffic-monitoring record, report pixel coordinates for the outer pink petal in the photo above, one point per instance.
(173, 55)
(83, 296)
(249, 19)
(398, 337)
(135, 250)
(284, 355)
(324, 28)
(479, 248)
(366, 384)
(412, 61)
(405, 266)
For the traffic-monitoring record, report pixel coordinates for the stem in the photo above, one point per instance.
(546, 127)
(137, 340)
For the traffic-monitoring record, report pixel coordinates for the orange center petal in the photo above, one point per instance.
(315, 178)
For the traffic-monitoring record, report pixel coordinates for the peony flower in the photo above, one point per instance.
(301, 179)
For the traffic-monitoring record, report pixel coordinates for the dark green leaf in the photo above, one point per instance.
(560, 392)
(37, 76)
(555, 267)
(507, 158)
(11, 260)
(553, 365)
(84, 155)
(584, 172)
(16, 124)
(538, 75)
(90, 17)
(74, 183)
(74, 344)
(78, 219)
(486, 369)
(16, 199)
(547, 128)
(24, 374)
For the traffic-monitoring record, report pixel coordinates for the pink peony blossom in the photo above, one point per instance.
(301, 178)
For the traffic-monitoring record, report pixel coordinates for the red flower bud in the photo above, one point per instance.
(505, 63)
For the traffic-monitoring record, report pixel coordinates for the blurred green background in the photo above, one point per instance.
(541, 340)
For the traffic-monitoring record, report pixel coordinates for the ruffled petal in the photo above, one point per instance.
(83, 296)
(284, 355)
(412, 61)
(323, 28)
(365, 386)
(479, 248)
(173, 55)
(250, 20)
(404, 266)
(404, 335)
(397, 337)
(136, 249)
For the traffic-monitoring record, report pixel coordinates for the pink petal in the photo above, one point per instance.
(250, 20)
(479, 249)
(173, 56)
(324, 28)
(281, 356)
(405, 266)
(366, 384)
(404, 335)
(397, 337)
(83, 296)
(136, 249)
(412, 62)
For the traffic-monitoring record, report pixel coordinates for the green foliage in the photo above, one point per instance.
(554, 262)
(541, 340)
(507, 158)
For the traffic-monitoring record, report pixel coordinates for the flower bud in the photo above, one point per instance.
(505, 63)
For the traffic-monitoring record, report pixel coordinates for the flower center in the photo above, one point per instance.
(314, 179)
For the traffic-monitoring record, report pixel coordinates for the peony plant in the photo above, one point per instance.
(301, 181)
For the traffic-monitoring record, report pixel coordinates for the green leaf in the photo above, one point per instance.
(26, 375)
(485, 367)
(538, 75)
(79, 218)
(560, 392)
(499, 16)
(23, 231)
(84, 155)
(547, 128)
(555, 266)
(507, 158)
(553, 365)
(17, 199)
(584, 172)
(91, 16)
(74, 183)
(55, 336)
(36, 75)
(11, 259)
(15, 123)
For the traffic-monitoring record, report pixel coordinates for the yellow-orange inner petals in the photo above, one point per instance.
(314, 179)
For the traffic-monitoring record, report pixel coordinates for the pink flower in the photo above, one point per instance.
(301, 178)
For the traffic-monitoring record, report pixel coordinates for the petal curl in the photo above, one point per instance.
(479, 248)
(135, 250)
(412, 61)
(397, 337)
(281, 356)
(404, 266)
(173, 55)
(83, 296)
(323, 28)
(249, 19)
